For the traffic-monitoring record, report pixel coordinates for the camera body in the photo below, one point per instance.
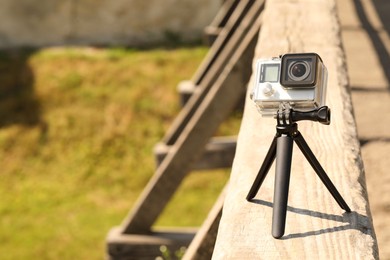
(297, 80)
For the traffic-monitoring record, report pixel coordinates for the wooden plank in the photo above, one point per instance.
(134, 237)
(185, 88)
(146, 246)
(226, 21)
(212, 31)
(219, 153)
(205, 78)
(202, 245)
(224, 43)
(224, 13)
(316, 227)
(188, 148)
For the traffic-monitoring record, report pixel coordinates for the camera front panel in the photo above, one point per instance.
(268, 92)
(303, 70)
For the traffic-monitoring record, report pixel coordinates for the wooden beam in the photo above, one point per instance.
(219, 153)
(212, 31)
(215, 63)
(202, 245)
(185, 88)
(146, 246)
(316, 227)
(224, 43)
(220, 88)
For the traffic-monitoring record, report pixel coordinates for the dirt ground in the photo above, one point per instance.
(365, 28)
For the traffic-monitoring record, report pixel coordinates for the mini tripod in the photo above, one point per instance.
(281, 148)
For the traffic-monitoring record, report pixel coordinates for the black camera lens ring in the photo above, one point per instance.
(293, 65)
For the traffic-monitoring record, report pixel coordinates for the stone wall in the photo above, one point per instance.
(102, 22)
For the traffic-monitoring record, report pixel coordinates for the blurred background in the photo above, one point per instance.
(87, 88)
(101, 22)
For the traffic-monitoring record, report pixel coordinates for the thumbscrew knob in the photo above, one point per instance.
(268, 90)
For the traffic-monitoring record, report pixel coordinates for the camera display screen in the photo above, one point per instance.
(269, 73)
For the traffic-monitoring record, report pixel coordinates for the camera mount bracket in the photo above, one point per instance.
(281, 148)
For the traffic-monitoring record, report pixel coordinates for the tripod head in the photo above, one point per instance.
(287, 116)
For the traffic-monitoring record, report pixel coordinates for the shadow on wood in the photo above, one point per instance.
(244, 230)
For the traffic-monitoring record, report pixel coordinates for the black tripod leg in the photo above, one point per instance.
(320, 171)
(268, 160)
(282, 181)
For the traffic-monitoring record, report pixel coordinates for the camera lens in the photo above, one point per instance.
(299, 70)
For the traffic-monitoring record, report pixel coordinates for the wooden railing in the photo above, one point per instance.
(316, 227)
(216, 89)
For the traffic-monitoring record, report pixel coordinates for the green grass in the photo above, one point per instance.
(77, 129)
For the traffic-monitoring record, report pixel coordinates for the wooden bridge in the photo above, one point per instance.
(316, 227)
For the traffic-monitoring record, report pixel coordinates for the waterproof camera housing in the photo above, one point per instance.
(296, 80)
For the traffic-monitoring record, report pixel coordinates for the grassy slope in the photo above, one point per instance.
(77, 128)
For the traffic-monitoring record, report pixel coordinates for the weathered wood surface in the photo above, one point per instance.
(316, 227)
